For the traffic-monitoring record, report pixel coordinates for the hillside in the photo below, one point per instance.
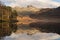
(28, 8)
(7, 25)
(49, 14)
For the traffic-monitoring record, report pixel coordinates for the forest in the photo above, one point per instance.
(8, 19)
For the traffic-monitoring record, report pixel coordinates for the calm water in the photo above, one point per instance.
(24, 32)
(23, 29)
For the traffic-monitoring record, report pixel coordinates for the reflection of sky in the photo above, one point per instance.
(37, 3)
(37, 36)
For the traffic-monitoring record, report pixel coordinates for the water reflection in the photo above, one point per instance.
(36, 36)
(24, 31)
(6, 28)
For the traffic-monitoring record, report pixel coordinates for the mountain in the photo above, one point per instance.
(26, 11)
(49, 14)
(28, 8)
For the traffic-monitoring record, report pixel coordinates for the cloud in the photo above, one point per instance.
(36, 3)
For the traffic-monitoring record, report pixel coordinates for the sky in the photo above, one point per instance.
(36, 3)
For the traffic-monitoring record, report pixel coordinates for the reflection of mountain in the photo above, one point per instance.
(26, 20)
(49, 27)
